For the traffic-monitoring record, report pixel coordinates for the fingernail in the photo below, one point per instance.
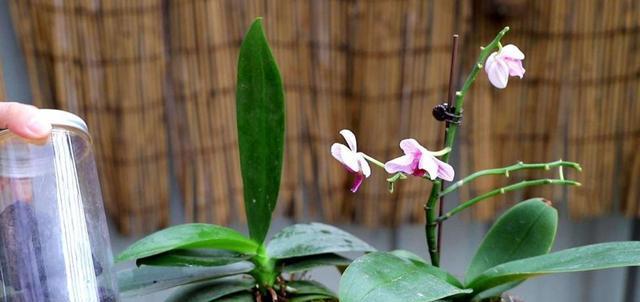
(39, 126)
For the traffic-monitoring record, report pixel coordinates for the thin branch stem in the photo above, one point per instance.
(450, 135)
(507, 170)
(373, 160)
(503, 190)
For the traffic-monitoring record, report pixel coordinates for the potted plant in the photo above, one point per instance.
(213, 263)
(516, 248)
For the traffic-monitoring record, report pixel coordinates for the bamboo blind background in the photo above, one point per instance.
(578, 100)
(105, 60)
(146, 72)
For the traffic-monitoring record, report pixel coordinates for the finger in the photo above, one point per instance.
(23, 120)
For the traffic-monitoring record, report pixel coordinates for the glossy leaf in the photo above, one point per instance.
(210, 290)
(311, 239)
(260, 120)
(384, 277)
(527, 229)
(193, 258)
(585, 258)
(436, 271)
(305, 287)
(311, 298)
(147, 279)
(495, 292)
(300, 264)
(237, 297)
(189, 236)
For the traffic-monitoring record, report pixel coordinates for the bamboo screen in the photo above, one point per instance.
(578, 100)
(146, 72)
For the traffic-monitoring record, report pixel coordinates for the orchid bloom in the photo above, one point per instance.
(504, 63)
(352, 160)
(418, 161)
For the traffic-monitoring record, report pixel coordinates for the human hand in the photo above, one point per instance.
(23, 120)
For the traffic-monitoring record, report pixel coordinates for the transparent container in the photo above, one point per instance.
(54, 240)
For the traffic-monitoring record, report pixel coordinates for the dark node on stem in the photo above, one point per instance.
(445, 113)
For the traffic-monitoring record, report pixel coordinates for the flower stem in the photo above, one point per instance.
(450, 134)
(509, 169)
(503, 190)
(373, 160)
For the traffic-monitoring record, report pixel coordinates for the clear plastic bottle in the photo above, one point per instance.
(54, 239)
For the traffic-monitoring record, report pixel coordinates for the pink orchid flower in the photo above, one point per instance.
(352, 160)
(418, 161)
(504, 63)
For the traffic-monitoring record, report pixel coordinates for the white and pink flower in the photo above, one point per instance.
(504, 63)
(351, 159)
(418, 161)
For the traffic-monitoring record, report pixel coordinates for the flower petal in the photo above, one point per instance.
(411, 146)
(515, 67)
(512, 51)
(445, 171)
(350, 138)
(403, 164)
(429, 164)
(364, 165)
(497, 71)
(345, 156)
(357, 182)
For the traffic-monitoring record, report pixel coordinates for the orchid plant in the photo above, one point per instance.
(206, 262)
(516, 248)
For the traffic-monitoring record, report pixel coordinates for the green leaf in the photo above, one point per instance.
(213, 289)
(147, 279)
(193, 258)
(260, 119)
(585, 258)
(305, 287)
(300, 264)
(527, 229)
(189, 236)
(237, 297)
(384, 277)
(436, 271)
(312, 239)
(495, 292)
(311, 298)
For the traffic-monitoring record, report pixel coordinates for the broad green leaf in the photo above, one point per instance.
(260, 119)
(213, 289)
(305, 287)
(495, 292)
(436, 271)
(147, 279)
(311, 298)
(408, 255)
(527, 229)
(189, 236)
(311, 239)
(585, 258)
(299, 264)
(384, 277)
(193, 258)
(237, 297)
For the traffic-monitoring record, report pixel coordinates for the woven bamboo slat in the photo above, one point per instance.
(376, 67)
